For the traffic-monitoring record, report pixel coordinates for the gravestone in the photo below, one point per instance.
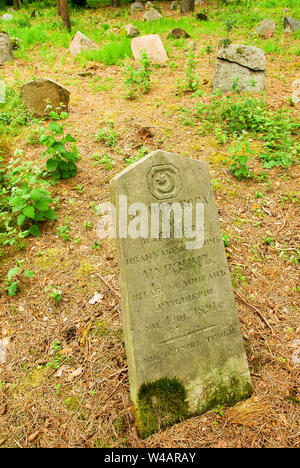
(7, 17)
(290, 24)
(266, 28)
(137, 6)
(80, 42)
(38, 93)
(152, 15)
(184, 346)
(296, 92)
(178, 33)
(242, 62)
(152, 45)
(131, 31)
(6, 48)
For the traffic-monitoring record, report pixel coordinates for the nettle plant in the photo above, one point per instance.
(24, 201)
(138, 79)
(191, 81)
(61, 148)
(14, 276)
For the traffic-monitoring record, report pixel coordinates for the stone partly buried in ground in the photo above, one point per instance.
(6, 48)
(178, 33)
(245, 63)
(131, 31)
(80, 42)
(137, 6)
(39, 93)
(183, 341)
(152, 45)
(296, 92)
(266, 28)
(152, 15)
(290, 24)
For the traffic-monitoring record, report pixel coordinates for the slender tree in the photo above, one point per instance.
(58, 7)
(116, 3)
(17, 4)
(187, 6)
(64, 9)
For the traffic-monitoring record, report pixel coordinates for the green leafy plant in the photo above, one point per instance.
(61, 152)
(54, 293)
(108, 135)
(239, 151)
(24, 202)
(138, 79)
(14, 277)
(191, 82)
(57, 358)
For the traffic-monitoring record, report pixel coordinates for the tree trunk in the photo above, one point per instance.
(187, 6)
(16, 4)
(65, 14)
(58, 7)
(116, 3)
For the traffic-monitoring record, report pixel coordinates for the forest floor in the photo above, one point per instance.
(85, 403)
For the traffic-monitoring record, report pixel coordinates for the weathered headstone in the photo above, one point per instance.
(183, 341)
(266, 28)
(174, 6)
(131, 31)
(7, 17)
(296, 92)
(290, 24)
(80, 42)
(137, 6)
(39, 93)
(247, 63)
(153, 46)
(6, 48)
(152, 15)
(178, 33)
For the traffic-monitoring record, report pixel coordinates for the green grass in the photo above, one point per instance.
(110, 54)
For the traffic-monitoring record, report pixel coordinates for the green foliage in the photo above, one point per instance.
(107, 135)
(24, 201)
(191, 81)
(239, 151)
(57, 358)
(14, 276)
(61, 162)
(54, 293)
(13, 113)
(138, 79)
(241, 114)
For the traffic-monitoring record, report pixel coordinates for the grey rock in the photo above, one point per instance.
(174, 6)
(80, 43)
(7, 17)
(290, 24)
(227, 72)
(178, 33)
(6, 48)
(137, 6)
(149, 4)
(247, 63)
(152, 15)
(247, 56)
(131, 31)
(266, 28)
(296, 92)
